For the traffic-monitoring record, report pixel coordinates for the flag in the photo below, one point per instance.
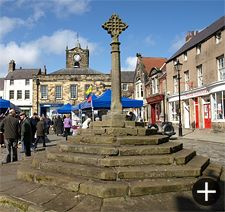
(89, 98)
(89, 90)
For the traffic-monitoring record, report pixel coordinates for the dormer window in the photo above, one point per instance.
(218, 37)
(198, 49)
(185, 56)
(11, 82)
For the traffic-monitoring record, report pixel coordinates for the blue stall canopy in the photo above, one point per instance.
(67, 108)
(88, 103)
(104, 101)
(4, 103)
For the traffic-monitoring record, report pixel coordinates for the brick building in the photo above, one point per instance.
(202, 79)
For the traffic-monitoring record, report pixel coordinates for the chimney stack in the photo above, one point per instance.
(12, 66)
(190, 35)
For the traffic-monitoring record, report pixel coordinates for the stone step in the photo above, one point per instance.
(109, 161)
(89, 149)
(105, 189)
(28, 173)
(164, 148)
(199, 161)
(71, 169)
(213, 170)
(142, 140)
(183, 156)
(123, 172)
(154, 171)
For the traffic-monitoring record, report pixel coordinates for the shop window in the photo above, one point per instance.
(218, 105)
(174, 111)
(221, 67)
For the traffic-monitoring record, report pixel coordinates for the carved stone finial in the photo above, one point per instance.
(114, 26)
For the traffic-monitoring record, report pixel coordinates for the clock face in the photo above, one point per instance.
(77, 57)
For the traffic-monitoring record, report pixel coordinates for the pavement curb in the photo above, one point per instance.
(20, 204)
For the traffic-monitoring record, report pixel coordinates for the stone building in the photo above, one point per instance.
(69, 85)
(202, 79)
(18, 86)
(142, 87)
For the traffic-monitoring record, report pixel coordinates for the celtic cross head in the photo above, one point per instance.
(114, 26)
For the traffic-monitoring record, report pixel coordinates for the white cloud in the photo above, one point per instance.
(149, 40)
(130, 64)
(177, 43)
(35, 53)
(9, 24)
(67, 7)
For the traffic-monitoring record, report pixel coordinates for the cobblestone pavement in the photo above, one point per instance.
(214, 150)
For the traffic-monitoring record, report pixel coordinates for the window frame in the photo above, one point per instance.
(187, 80)
(75, 86)
(221, 67)
(25, 94)
(11, 82)
(199, 75)
(27, 81)
(218, 37)
(198, 49)
(46, 91)
(126, 87)
(175, 84)
(11, 92)
(19, 94)
(57, 97)
(185, 56)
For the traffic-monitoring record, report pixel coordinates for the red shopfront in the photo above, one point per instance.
(157, 108)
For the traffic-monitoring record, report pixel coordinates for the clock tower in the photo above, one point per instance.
(77, 57)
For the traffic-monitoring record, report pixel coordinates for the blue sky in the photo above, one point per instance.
(35, 32)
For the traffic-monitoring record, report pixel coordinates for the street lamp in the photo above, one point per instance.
(37, 81)
(177, 67)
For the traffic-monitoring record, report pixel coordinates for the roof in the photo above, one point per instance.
(151, 62)
(22, 74)
(78, 71)
(1, 84)
(127, 76)
(201, 36)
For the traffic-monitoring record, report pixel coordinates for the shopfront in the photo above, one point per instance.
(49, 109)
(157, 108)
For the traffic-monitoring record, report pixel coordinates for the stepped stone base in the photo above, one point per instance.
(118, 158)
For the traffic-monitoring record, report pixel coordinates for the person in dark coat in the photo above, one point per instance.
(26, 133)
(33, 121)
(59, 126)
(2, 142)
(10, 127)
(40, 133)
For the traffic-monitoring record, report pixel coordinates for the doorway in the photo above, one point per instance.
(207, 115)
(186, 110)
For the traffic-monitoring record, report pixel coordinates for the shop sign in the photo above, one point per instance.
(155, 99)
(195, 94)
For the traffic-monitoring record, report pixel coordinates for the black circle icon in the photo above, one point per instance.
(206, 191)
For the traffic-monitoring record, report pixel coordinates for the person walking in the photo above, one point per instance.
(2, 142)
(33, 121)
(59, 126)
(10, 127)
(40, 133)
(26, 133)
(67, 125)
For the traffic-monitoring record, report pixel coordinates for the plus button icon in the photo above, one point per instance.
(206, 192)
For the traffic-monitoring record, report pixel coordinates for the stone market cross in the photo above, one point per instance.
(114, 27)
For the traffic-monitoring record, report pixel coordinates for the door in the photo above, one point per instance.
(207, 115)
(153, 115)
(186, 115)
(196, 113)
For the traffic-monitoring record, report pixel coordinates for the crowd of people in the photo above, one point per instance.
(29, 131)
